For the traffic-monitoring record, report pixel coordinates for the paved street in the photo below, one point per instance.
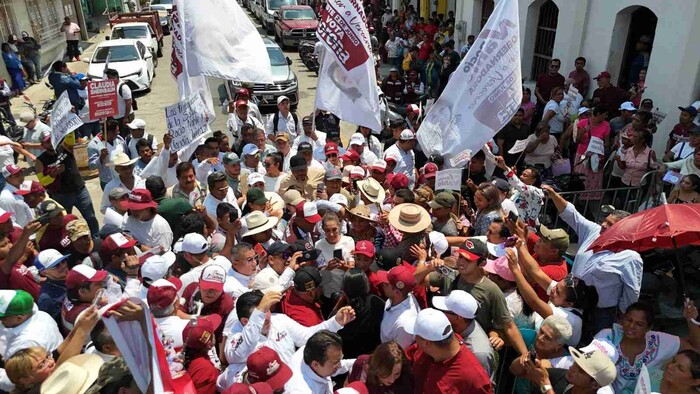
(164, 92)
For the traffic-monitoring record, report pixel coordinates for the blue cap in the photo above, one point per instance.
(48, 258)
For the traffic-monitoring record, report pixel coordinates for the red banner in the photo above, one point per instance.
(102, 98)
(344, 31)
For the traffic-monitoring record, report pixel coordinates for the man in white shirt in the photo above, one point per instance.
(251, 160)
(195, 248)
(257, 327)
(137, 131)
(125, 111)
(314, 364)
(239, 117)
(316, 138)
(144, 223)
(402, 150)
(125, 179)
(11, 202)
(401, 306)
(285, 149)
(684, 149)
(33, 129)
(102, 147)
(283, 121)
(219, 191)
(358, 143)
(163, 300)
(72, 32)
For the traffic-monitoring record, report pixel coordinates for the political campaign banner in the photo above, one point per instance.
(63, 120)
(186, 121)
(484, 92)
(102, 98)
(347, 84)
(450, 179)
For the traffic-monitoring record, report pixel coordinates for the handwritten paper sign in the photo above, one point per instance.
(597, 146)
(461, 158)
(186, 121)
(519, 146)
(449, 179)
(63, 120)
(102, 98)
(489, 155)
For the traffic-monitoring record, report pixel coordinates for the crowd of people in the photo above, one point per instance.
(271, 257)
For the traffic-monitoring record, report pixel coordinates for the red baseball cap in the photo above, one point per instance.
(382, 276)
(430, 170)
(265, 365)
(199, 334)
(213, 278)
(331, 147)
(255, 388)
(243, 91)
(365, 248)
(10, 169)
(401, 278)
(399, 181)
(389, 158)
(115, 242)
(309, 211)
(28, 187)
(356, 387)
(4, 216)
(469, 255)
(82, 273)
(603, 74)
(351, 155)
(162, 293)
(140, 199)
(241, 103)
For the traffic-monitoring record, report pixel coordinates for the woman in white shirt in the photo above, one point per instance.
(273, 172)
(336, 252)
(540, 147)
(553, 114)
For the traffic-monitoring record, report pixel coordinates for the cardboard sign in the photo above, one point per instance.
(63, 120)
(102, 98)
(461, 158)
(597, 146)
(449, 179)
(186, 121)
(519, 146)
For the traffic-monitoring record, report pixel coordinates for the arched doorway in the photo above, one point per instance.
(638, 46)
(544, 38)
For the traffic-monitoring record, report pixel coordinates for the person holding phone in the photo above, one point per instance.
(336, 252)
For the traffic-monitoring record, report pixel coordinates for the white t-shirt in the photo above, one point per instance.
(556, 122)
(34, 136)
(543, 152)
(71, 31)
(273, 184)
(132, 144)
(509, 206)
(172, 327)
(682, 150)
(121, 99)
(152, 233)
(7, 154)
(333, 280)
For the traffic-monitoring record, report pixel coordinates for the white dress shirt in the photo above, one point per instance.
(210, 203)
(286, 124)
(305, 381)
(15, 204)
(405, 163)
(115, 183)
(395, 320)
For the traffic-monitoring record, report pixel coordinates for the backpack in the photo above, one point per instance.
(134, 104)
(276, 119)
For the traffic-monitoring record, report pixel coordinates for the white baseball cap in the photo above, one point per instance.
(194, 243)
(137, 124)
(407, 135)
(596, 364)
(431, 325)
(267, 280)
(439, 242)
(338, 198)
(628, 106)
(459, 302)
(583, 110)
(255, 178)
(357, 139)
(249, 150)
(155, 267)
(48, 258)
(282, 98)
(379, 164)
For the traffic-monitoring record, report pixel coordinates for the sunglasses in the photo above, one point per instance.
(571, 283)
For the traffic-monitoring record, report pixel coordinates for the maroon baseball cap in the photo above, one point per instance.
(162, 293)
(265, 365)
(241, 103)
(430, 170)
(365, 248)
(308, 210)
(401, 278)
(28, 187)
(140, 199)
(213, 278)
(4, 215)
(82, 273)
(331, 147)
(115, 242)
(351, 155)
(255, 388)
(243, 91)
(399, 181)
(10, 169)
(356, 387)
(199, 334)
(603, 74)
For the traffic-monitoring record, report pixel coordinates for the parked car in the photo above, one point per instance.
(284, 83)
(268, 10)
(164, 14)
(139, 31)
(168, 4)
(129, 57)
(294, 23)
(152, 18)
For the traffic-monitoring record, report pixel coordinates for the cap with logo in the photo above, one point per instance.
(15, 302)
(399, 181)
(308, 251)
(473, 249)
(49, 206)
(118, 193)
(241, 103)
(28, 187)
(194, 243)
(10, 169)
(557, 237)
(267, 280)
(82, 273)
(256, 196)
(430, 170)
(250, 150)
(357, 139)
(115, 242)
(282, 136)
(243, 92)
(365, 248)
(501, 184)
(351, 155)
(431, 325)
(413, 108)
(199, 334)
(308, 210)
(407, 135)
(156, 267)
(307, 278)
(162, 293)
(459, 302)
(265, 365)
(48, 258)
(231, 158)
(401, 277)
(333, 174)
(443, 200)
(689, 109)
(140, 199)
(603, 74)
(596, 364)
(137, 124)
(330, 148)
(379, 165)
(305, 147)
(213, 278)
(357, 172)
(254, 178)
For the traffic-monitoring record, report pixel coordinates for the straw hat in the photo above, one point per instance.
(74, 376)
(120, 158)
(257, 222)
(372, 189)
(363, 212)
(409, 218)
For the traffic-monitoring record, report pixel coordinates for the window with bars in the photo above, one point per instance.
(544, 39)
(8, 23)
(486, 11)
(45, 19)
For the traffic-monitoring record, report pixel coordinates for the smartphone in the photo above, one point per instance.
(444, 270)
(533, 356)
(320, 187)
(510, 241)
(338, 254)
(44, 219)
(513, 217)
(260, 250)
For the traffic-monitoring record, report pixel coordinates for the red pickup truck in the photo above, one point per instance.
(294, 23)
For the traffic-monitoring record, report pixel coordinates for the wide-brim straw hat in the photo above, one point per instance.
(74, 376)
(257, 222)
(409, 218)
(372, 189)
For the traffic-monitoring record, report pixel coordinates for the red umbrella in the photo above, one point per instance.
(663, 227)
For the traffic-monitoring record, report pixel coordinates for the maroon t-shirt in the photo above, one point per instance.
(404, 384)
(203, 374)
(222, 307)
(20, 278)
(612, 97)
(461, 374)
(546, 83)
(70, 312)
(301, 311)
(57, 238)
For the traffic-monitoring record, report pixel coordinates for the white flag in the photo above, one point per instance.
(347, 84)
(187, 85)
(484, 92)
(222, 42)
